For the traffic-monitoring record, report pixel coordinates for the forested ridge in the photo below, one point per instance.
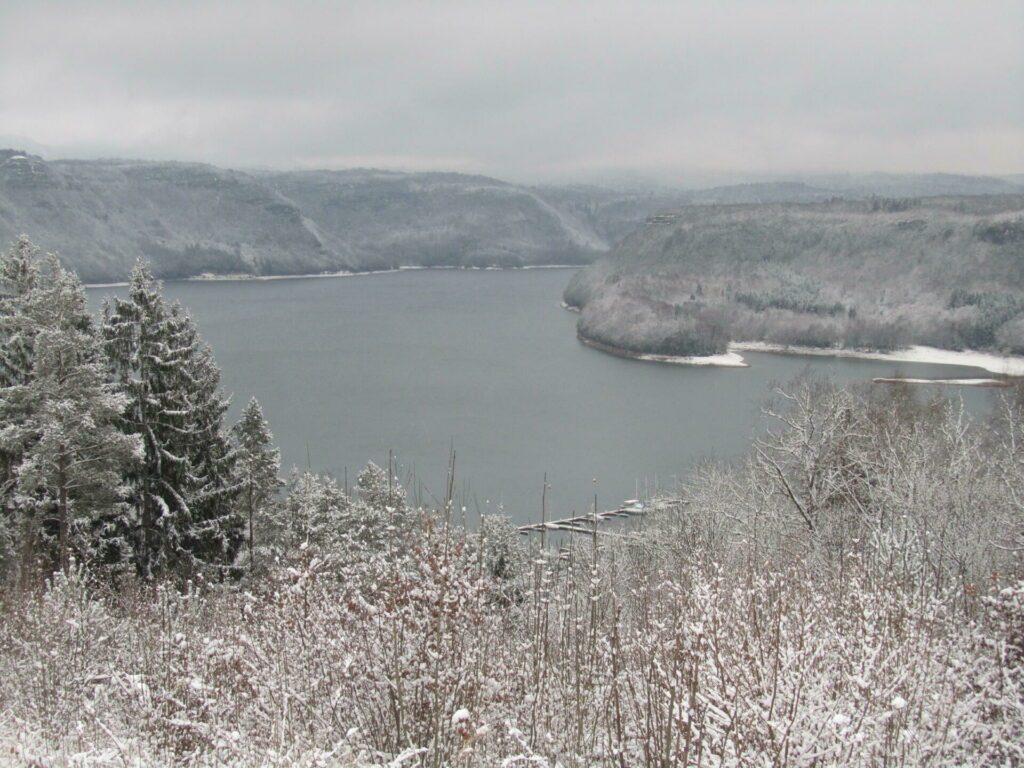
(849, 593)
(192, 219)
(878, 274)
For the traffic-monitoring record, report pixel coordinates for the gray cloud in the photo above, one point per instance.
(525, 90)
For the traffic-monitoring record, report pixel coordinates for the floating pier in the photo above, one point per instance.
(588, 523)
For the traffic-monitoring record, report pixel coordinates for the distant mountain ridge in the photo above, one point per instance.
(190, 218)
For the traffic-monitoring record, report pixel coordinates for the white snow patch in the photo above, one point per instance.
(1006, 365)
(950, 382)
(726, 360)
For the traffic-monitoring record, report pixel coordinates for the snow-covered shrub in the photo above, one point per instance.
(317, 514)
(844, 597)
(501, 550)
(406, 656)
(381, 492)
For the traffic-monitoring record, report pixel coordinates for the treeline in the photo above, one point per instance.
(804, 299)
(642, 326)
(992, 319)
(114, 451)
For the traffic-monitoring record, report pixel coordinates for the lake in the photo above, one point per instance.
(486, 361)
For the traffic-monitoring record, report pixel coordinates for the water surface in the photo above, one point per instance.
(418, 361)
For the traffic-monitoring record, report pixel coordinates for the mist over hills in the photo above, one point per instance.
(879, 273)
(189, 219)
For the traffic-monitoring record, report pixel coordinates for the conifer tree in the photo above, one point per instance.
(19, 273)
(183, 487)
(145, 358)
(62, 419)
(19, 270)
(218, 528)
(257, 467)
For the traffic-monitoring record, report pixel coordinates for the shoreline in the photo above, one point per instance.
(1008, 367)
(240, 277)
(725, 360)
(995, 383)
(1003, 365)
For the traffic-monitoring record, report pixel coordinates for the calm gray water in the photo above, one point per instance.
(417, 361)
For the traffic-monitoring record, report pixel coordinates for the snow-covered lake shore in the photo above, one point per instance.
(944, 382)
(726, 360)
(245, 276)
(1004, 365)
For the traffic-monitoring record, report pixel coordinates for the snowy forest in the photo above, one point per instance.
(875, 274)
(849, 593)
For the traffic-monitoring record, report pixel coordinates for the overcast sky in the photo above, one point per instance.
(530, 91)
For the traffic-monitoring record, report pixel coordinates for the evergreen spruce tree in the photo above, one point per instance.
(218, 525)
(19, 271)
(145, 358)
(183, 487)
(61, 421)
(256, 469)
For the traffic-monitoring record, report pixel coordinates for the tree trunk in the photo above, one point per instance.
(29, 543)
(252, 556)
(62, 508)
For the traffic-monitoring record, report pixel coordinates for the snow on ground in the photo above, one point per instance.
(726, 360)
(1006, 365)
(949, 382)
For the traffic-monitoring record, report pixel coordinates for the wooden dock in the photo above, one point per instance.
(589, 523)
